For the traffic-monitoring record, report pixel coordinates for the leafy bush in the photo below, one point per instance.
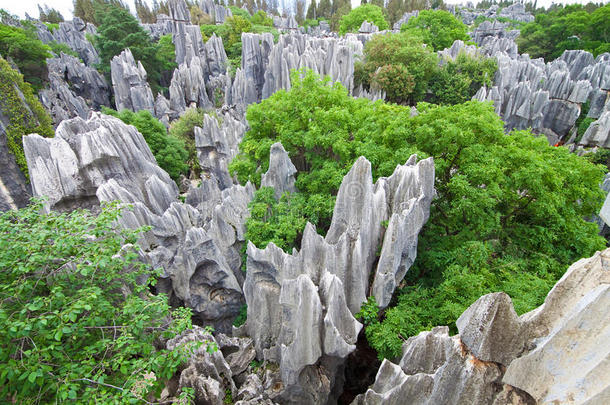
(238, 11)
(169, 150)
(261, 18)
(412, 63)
(437, 28)
(59, 47)
(509, 213)
(184, 129)
(27, 51)
(23, 110)
(78, 322)
(93, 11)
(120, 30)
(458, 81)
(352, 21)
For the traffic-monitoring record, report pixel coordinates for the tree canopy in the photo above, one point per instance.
(437, 28)
(509, 213)
(352, 21)
(572, 27)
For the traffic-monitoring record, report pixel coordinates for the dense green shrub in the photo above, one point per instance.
(59, 47)
(352, 21)
(402, 55)
(261, 18)
(437, 28)
(77, 325)
(27, 51)
(458, 81)
(572, 27)
(509, 213)
(184, 129)
(169, 150)
(93, 11)
(120, 30)
(24, 118)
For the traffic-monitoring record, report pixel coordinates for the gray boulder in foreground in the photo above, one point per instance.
(555, 354)
(301, 306)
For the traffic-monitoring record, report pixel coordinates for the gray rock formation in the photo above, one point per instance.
(72, 33)
(217, 145)
(281, 171)
(131, 90)
(163, 26)
(60, 101)
(197, 244)
(368, 28)
(516, 12)
(553, 354)
(217, 12)
(548, 97)
(301, 305)
(405, 19)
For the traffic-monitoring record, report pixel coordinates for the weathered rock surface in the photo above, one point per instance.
(131, 90)
(72, 33)
(217, 145)
(197, 244)
(217, 12)
(281, 171)
(548, 97)
(553, 354)
(368, 28)
(516, 12)
(301, 305)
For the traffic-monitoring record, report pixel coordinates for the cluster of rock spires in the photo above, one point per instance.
(72, 33)
(515, 12)
(555, 354)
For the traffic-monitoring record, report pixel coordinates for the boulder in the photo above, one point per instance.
(281, 171)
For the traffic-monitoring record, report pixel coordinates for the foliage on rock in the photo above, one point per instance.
(402, 55)
(79, 322)
(352, 21)
(184, 129)
(23, 110)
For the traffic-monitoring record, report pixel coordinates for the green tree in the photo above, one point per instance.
(509, 213)
(169, 151)
(120, 30)
(144, 13)
(92, 11)
(399, 64)
(457, 81)
(27, 52)
(571, 27)
(24, 112)
(79, 325)
(261, 18)
(437, 28)
(184, 129)
(49, 15)
(352, 21)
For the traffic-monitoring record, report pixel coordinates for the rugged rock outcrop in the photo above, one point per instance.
(301, 305)
(405, 19)
(516, 12)
(73, 89)
(131, 90)
(548, 97)
(553, 354)
(72, 33)
(368, 28)
(197, 244)
(217, 12)
(217, 145)
(14, 189)
(281, 171)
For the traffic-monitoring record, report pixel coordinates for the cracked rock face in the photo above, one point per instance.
(72, 33)
(301, 305)
(553, 354)
(197, 244)
(131, 90)
(281, 171)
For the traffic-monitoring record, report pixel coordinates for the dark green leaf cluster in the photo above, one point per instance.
(24, 112)
(78, 320)
(168, 149)
(93, 11)
(27, 52)
(572, 27)
(352, 21)
(184, 129)
(120, 30)
(508, 216)
(49, 15)
(437, 28)
(458, 81)
(399, 64)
